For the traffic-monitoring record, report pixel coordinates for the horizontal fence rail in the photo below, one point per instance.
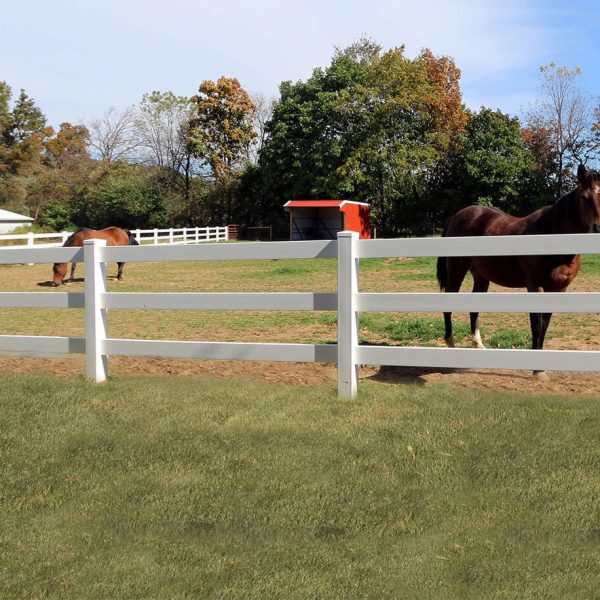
(182, 235)
(348, 302)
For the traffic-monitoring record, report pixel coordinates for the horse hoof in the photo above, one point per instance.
(450, 342)
(541, 375)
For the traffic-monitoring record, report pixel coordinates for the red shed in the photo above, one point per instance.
(322, 219)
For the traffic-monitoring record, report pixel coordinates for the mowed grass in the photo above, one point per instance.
(174, 488)
(392, 275)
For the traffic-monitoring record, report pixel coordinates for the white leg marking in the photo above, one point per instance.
(477, 343)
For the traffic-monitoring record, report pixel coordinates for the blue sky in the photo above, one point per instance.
(77, 58)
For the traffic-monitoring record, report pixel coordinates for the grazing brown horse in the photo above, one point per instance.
(576, 212)
(114, 236)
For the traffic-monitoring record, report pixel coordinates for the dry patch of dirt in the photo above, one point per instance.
(307, 374)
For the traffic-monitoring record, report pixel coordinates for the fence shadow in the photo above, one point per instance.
(409, 375)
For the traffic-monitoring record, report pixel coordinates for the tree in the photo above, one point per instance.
(62, 170)
(264, 111)
(119, 194)
(492, 161)
(221, 133)
(162, 128)
(372, 126)
(69, 145)
(22, 128)
(222, 130)
(112, 136)
(565, 112)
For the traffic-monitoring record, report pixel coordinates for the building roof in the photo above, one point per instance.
(10, 217)
(320, 203)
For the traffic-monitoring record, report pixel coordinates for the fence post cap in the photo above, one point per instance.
(94, 242)
(346, 234)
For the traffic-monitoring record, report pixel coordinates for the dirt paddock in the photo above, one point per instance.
(307, 374)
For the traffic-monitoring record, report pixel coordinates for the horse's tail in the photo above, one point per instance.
(132, 240)
(442, 266)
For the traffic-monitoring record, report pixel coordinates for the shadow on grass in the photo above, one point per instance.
(408, 375)
(74, 280)
(416, 375)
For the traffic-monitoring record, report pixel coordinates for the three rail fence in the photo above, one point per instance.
(348, 302)
(182, 235)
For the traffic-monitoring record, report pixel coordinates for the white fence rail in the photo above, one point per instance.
(348, 302)
(182, 235)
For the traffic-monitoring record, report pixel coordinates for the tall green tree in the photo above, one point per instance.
(371, 126)
(492, 161)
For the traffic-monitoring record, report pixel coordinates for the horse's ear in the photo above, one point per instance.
(581, 173)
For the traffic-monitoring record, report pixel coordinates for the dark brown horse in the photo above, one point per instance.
(576, 212)
(114, 236)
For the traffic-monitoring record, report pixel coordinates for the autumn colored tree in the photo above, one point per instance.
(62, 168)
(222, 131)
(444, 108)
(68, 145)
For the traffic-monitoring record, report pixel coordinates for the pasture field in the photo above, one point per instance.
(499, 330)
(377, 275)
(184, 488)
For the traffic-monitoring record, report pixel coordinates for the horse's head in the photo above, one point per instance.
(588, 191)
(59, 270)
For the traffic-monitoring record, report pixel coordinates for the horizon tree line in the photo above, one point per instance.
(373, 125)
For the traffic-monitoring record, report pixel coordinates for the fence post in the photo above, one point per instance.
(347, 315)
(65, 236)
(197, 234)
(96, 317)
(138, 235)
(30, 242)
(170, 235)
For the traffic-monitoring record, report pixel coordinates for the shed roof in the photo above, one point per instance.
(320, 203)
(7, 216)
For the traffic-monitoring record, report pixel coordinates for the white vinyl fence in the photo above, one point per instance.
(183, 235)
(348, 302)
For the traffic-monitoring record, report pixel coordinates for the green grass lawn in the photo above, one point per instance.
(175, 488)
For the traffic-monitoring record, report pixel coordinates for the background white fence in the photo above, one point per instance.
(348, 302)
(183, 235)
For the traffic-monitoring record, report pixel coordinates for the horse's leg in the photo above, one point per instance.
(480, 285)
(539, 324)
(457, 268)
(120, 271)
(73, 267)
(545, 322)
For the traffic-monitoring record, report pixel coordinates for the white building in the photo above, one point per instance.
(9, 221)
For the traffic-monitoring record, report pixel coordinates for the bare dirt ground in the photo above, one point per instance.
(301, 374)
